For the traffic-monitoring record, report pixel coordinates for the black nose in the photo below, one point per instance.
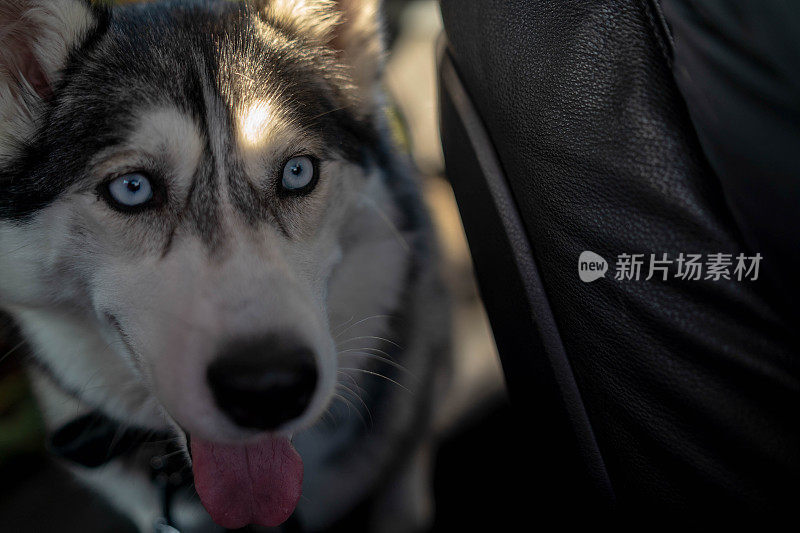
(262, 384)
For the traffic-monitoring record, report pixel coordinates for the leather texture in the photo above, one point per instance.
(566, 465)
(691, 388)
(737, 65)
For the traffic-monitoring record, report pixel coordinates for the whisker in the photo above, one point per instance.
(371, 373)
(373, 337)
(383, 359)
(166, 455)
(345, 323)
(12, 350)
(358, 397)
(121, 429)
(353, 381)
(175, 440)
(344, 401)
(331, 111)
(353, 407)
(368, 350)
(381, 213)
(360, 322)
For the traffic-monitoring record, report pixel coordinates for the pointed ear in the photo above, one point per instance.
(352, 28)
(36, 38)
(359, 39)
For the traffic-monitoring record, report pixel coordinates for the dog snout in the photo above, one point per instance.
(265, 383)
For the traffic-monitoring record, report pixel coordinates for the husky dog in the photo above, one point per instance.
(205, 236)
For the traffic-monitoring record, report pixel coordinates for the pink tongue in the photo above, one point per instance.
(239, 485)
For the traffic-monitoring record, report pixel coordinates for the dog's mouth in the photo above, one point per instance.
(248, 483)
(264, 384)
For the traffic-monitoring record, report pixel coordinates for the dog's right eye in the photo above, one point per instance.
(130, 191)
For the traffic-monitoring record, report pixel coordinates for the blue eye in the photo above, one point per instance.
(298, 174)
(131, 190)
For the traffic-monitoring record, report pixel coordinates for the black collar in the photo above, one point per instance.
(94, 440)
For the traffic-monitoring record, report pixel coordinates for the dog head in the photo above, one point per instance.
(176, 182)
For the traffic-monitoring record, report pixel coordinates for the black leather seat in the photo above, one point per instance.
(572, 126)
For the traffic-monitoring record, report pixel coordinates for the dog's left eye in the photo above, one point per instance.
(299, 174)
(130, 191)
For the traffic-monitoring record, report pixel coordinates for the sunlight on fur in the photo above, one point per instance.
(253, 122)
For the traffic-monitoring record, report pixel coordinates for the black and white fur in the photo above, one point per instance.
(123, 312)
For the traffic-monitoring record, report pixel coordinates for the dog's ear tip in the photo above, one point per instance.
(43, 31)
(36, 38)
(353, 29)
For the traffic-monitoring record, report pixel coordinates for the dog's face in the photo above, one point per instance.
(181, 174)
